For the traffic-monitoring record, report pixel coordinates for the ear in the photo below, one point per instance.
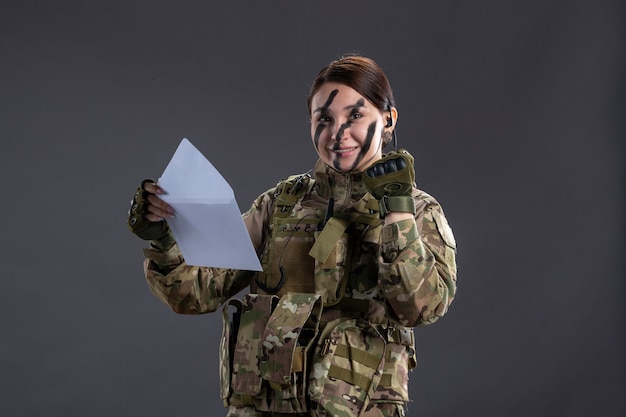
(391, 119)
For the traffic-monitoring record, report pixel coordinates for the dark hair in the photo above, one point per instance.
(359, 73)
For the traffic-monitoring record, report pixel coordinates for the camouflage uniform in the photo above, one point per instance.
(327, 328)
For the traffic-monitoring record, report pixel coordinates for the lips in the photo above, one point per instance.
(344, 150)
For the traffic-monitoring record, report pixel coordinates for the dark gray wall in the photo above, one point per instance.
(513, 109)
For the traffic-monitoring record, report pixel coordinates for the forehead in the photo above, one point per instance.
(335, 95)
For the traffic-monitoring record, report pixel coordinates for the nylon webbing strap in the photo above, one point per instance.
(399, 203)
(385, 380)
(298, 359)
(357, 355)
(289, 192)
(386, 377)
(350, 377)
(286, 200)
(366, 359)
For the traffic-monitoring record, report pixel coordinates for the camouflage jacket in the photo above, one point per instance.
(406, 271)
(327, 326)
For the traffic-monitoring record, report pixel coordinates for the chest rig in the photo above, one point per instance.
(311, 248)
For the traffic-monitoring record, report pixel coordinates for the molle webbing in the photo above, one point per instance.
(290, 191)
(362, 364)
(286, 261)
(349, 375)
(367, 359)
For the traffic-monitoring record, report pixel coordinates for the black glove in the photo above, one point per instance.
(390, 180)
(137, 222)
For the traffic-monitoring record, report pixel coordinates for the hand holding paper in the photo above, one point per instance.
(208, 225)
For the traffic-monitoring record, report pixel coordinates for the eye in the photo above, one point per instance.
(355, 115)
(323, 118)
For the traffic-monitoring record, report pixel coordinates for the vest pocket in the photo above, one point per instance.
(264, 354)
(330, 270)
(287, 337)
(347, 366)
(394, 383)
(245, 375)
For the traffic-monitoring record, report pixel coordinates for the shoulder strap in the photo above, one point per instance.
(291, 191)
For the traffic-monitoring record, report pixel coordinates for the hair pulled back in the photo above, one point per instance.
(362, 75)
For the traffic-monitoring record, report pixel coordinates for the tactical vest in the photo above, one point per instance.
(313, 245)
(277, 352)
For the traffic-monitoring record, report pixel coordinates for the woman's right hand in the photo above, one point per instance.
(156, 210)
(148, 212)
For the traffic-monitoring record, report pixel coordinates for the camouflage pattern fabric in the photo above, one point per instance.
(347, 367)
(230, 330)
(376, 282)
(246, 376)
(283, 346)
(373, 410)
(267, 362)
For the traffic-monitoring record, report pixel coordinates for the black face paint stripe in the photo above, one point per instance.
(318, 131)
(342, 128)
(367, 144)
(337, 145)
(320, 128)
(329, 100)
(355, 109)
(371, 129)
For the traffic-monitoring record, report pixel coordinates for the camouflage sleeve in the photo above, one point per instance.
(418, 268)
(188, 289)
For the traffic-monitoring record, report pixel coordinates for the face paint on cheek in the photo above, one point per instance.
(316, 138)
(355, 109)
(342, 128)
(337, 145)
(367, 144)
(322, 110)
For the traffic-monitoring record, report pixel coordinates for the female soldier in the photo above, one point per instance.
(353, 258)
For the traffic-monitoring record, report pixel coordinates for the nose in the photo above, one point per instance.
(339, 132)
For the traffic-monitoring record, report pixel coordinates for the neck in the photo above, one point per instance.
(345, 187)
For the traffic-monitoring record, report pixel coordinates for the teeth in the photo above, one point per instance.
(344, 150)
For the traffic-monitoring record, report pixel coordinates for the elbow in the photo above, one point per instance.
(191, 307)
(438, 306)
(428, 307)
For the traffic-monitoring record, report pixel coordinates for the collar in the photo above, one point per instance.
(346, 188)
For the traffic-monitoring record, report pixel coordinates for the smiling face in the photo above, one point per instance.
(346, 128)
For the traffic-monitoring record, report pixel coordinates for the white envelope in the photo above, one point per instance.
(208, 226)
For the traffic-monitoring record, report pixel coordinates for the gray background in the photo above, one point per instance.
(513, 110)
